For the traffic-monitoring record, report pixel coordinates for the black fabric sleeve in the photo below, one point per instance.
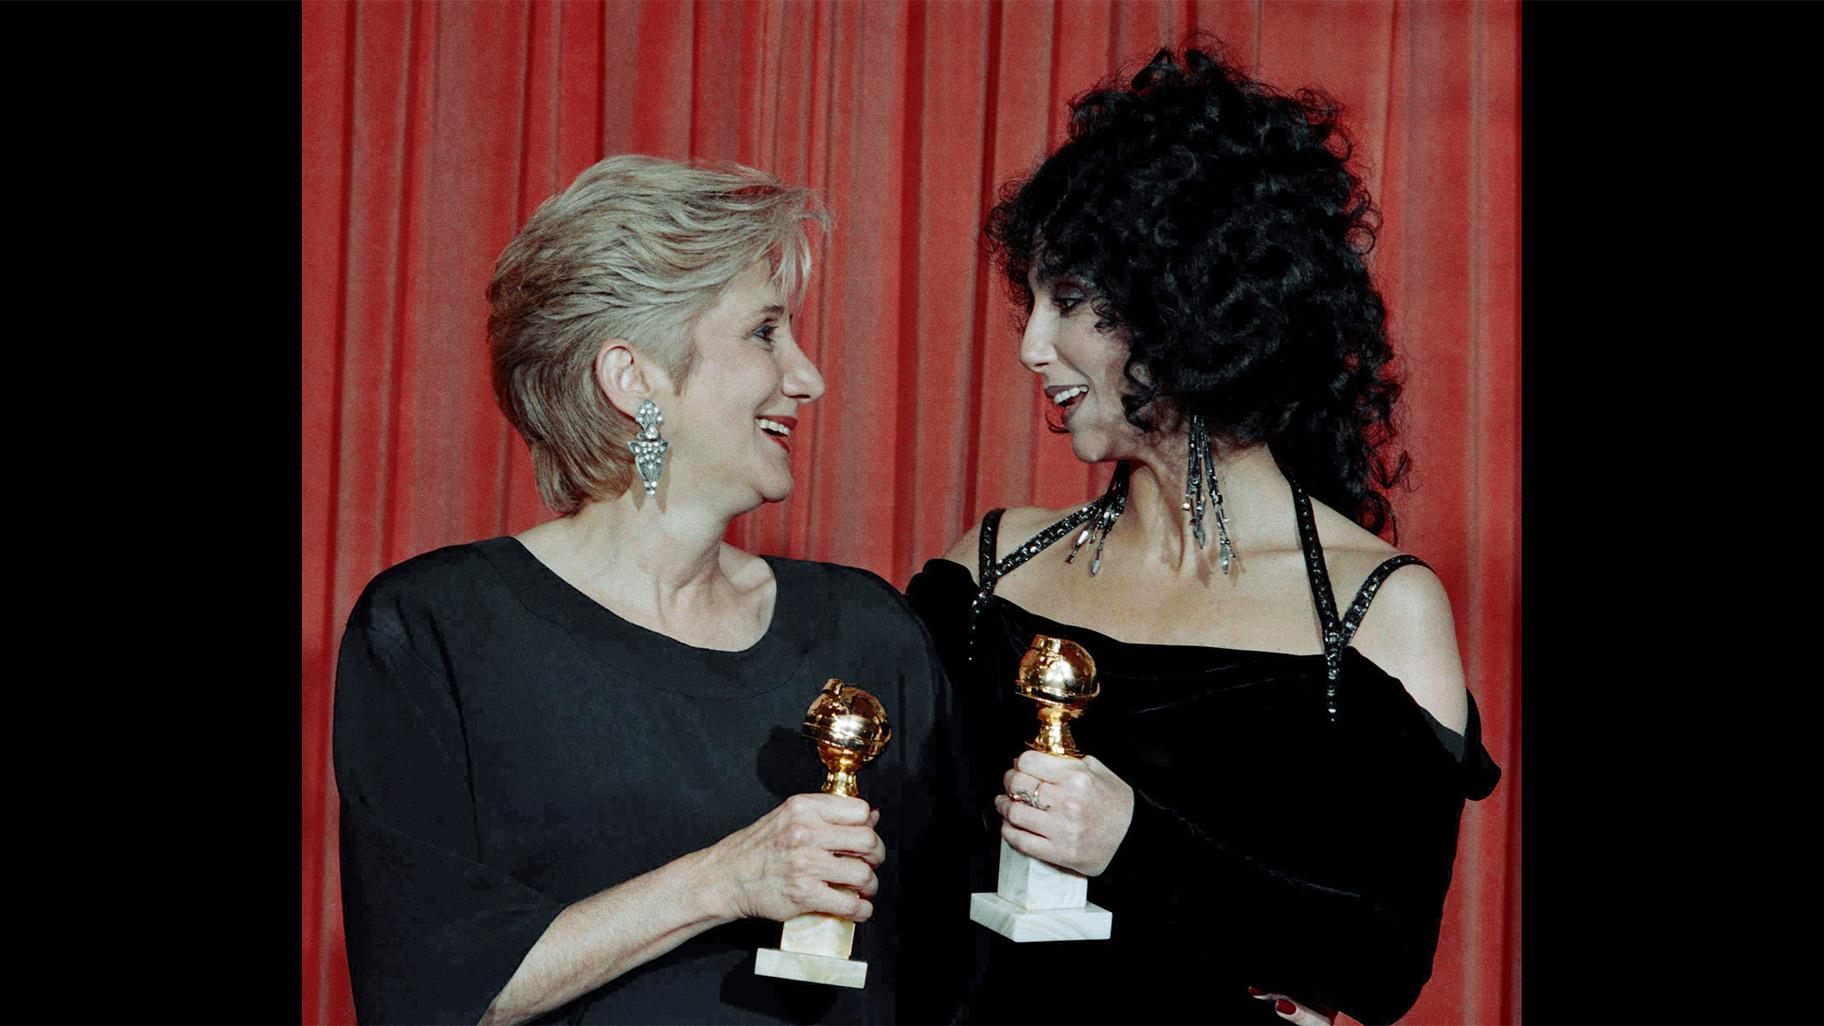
(1366, 952)
(945, 617)
(934, 941)
(1360, 938)
(433, 931)
(936, 945)
(939, 595)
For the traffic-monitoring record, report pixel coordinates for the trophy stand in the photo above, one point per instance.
(1034, 900)
(850, 729)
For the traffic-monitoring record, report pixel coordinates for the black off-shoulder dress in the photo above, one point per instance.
(1295, 816)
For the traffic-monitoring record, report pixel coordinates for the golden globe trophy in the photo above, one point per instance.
(850, 728)
(1035, 900)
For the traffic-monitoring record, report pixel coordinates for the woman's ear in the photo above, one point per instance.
(627, 377)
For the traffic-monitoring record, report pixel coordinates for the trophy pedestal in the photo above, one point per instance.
(814, 948)
(1037, 901)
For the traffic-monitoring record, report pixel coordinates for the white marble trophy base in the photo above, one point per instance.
(1037, 901)
(814, 948)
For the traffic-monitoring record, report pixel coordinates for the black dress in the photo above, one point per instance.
(505, 746)
(1295, 816)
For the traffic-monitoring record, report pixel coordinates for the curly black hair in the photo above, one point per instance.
(1216, 222)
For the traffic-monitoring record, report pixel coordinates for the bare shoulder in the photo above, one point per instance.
(1351, 551)
(1342, 536)
(1409, 632)
(1018, 523)
(1022, 522)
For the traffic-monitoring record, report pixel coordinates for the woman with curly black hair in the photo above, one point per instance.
(1278, 768)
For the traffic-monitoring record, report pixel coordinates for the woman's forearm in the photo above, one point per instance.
(604, 935)
(811, 853)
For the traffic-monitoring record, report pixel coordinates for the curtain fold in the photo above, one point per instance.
(431, 131)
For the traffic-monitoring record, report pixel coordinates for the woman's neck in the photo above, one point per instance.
(660, 565)
(1253, 494)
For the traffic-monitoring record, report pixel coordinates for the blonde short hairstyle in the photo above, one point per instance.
(637, 248)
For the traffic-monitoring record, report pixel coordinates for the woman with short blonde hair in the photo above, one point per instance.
(637, 248)
(572, 786)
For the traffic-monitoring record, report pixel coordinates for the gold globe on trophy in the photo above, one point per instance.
(1061, 677)
(850, 728)
(1034, 900)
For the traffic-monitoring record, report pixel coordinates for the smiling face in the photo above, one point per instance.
(1079, 363)
(731, 425)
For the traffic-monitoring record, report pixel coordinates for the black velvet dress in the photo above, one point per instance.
(1295, 816)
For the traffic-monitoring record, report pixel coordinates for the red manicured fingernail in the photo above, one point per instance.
(1285, 1007)
(1255, 990)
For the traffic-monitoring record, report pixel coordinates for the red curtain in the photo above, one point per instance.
(431, 131)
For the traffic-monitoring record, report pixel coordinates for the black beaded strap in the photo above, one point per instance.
(991, 526)
(992, 571)
(1336, 633)
(1320, 593)
(1359, 608)
(1041, 541)
(1314, 567)
(985, 575)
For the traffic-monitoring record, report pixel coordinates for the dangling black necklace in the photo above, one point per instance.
(1108, 510)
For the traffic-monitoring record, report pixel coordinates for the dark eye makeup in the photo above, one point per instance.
(1067, 295)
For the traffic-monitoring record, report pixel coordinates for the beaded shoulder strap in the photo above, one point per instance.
(1104, 510)
(1320, 594)
(992, 570)
(1359, 608)
(991, 526)
(1039, 543)
(984, 575)
(1336, 631)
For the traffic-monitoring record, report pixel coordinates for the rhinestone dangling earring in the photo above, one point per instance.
(1193, 478)
(648, 448)
(1225, 552)
(1198, 467)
